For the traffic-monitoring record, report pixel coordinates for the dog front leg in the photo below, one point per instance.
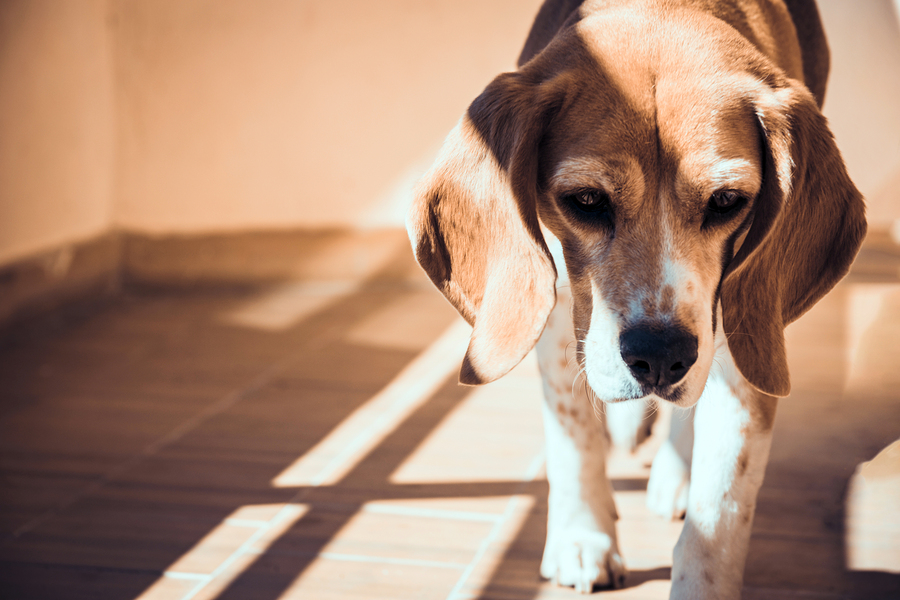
(581, 548)
(670, 474)
(732, 437)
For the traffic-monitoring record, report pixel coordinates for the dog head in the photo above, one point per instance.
(679, 168)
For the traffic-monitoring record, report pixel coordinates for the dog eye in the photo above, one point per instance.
(590, 206)
(589, 201)
(725, 201)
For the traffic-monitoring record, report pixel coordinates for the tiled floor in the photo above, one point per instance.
(308, 440)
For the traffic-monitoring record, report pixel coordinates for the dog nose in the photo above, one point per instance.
(658, 356)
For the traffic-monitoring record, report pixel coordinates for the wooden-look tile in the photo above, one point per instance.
(495, 433)
(390, 533)
(479, 507)
(144, 441)
(22, 580)
(411, 322)
(26, 496)
(645, 540)
(171, 587)
(348, 579)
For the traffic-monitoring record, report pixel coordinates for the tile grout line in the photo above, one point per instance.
(410, 396)
(415, 384)
(386, 560)
(430, 513)
(531, 474)
(229, 400)
(244, 548)
(185, 576)
(409, 393)
(483, 547)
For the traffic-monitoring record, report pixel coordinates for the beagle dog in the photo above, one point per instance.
(656, 191)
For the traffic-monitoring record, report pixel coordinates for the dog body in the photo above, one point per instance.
(655, 190)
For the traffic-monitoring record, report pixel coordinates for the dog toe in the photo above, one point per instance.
(584, 560)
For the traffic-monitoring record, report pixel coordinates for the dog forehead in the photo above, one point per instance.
(712, 139)
(673, 105)
(695, 144)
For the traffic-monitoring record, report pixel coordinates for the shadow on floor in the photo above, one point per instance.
(129, 433)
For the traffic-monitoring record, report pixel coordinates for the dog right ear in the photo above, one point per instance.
(474, 226)
(809, 224)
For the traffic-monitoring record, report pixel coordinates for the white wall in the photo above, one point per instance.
(56, 124)
(195, 116)
(279, 113)
(863, 98)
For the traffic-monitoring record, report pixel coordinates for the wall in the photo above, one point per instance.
(278, 113)
(862, 98)
(168, 116)
(173, 116)
(56, 124)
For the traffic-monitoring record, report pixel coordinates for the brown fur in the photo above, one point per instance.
(644, 100)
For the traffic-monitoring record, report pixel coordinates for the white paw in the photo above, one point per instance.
(667, 490)
(583, 559)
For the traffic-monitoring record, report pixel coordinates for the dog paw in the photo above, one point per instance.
(667, 490)
(583, 560)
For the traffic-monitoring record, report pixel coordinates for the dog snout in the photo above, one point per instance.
(658, 357)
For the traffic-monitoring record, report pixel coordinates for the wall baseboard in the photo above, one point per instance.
(255, 257)
(878, 260)
(84, 272)
(45, 282)
(48, 282)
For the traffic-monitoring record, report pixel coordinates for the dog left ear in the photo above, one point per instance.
(474, 225)
(808, 225)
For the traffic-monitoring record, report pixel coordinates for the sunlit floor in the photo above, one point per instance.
(308, 440)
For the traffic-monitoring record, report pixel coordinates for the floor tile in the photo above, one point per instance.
(143, 449)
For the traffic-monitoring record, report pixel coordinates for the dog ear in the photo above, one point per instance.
(808, 224)
(474, 226)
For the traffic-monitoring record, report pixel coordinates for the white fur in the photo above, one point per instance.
(605, 370)
(731, 173)
(706, 482)
(710, 555)
(581, 548)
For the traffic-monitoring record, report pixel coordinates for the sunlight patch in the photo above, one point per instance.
(288, 304)
(225, 552)
(348, 443)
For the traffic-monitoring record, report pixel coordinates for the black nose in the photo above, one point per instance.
(658, 356)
